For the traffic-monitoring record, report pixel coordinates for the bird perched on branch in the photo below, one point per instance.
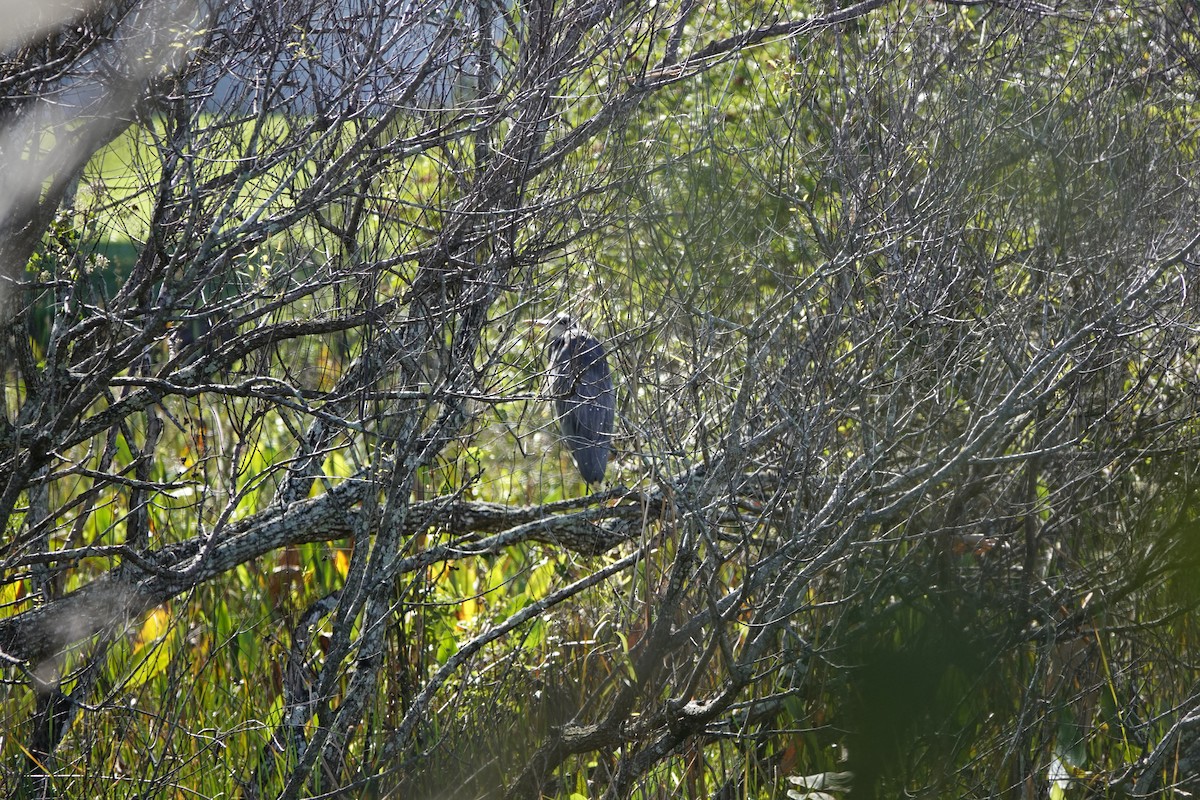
(581, 387)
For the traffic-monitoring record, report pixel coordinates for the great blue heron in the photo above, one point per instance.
(582, 389)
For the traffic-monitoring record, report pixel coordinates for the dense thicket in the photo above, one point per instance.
(900, 300)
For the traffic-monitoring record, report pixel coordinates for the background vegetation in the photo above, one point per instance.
(900, 298)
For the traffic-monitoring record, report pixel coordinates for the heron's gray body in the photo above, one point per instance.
(582, 388)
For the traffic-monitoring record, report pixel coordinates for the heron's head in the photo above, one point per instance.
(555, 325)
